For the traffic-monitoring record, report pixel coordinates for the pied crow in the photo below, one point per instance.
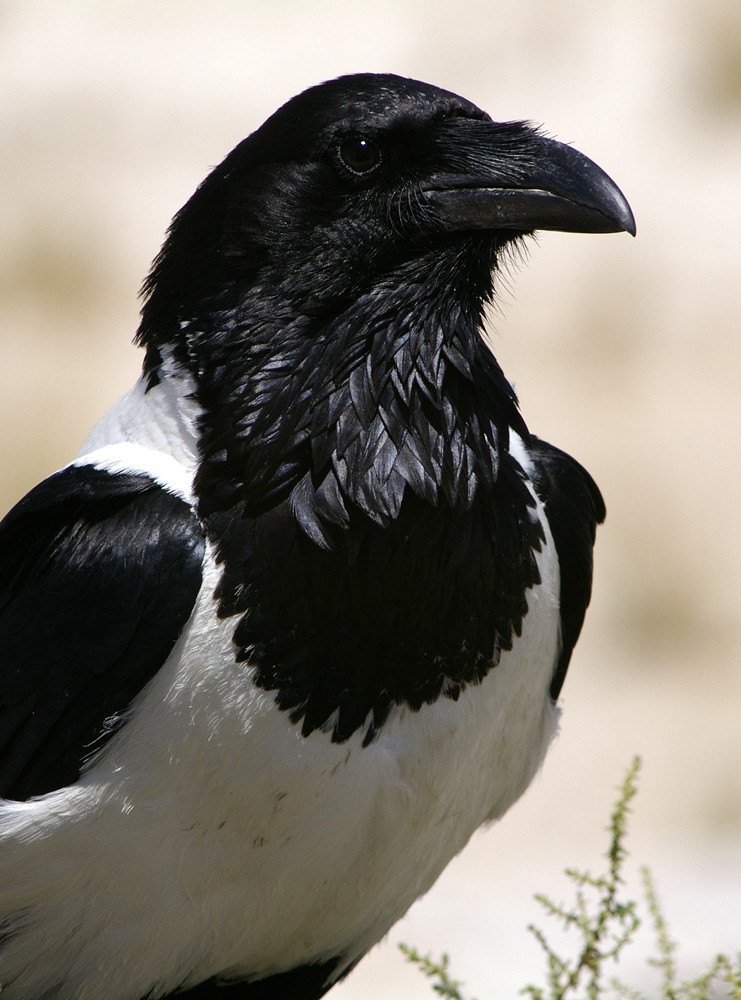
(294, 622)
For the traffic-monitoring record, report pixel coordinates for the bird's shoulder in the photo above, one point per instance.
(574, 507)
(99, 572)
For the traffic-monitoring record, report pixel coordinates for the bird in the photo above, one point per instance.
(294, 622)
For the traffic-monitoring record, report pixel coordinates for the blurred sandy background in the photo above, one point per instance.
(627, 353)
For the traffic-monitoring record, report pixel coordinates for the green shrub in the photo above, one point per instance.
(603, 925)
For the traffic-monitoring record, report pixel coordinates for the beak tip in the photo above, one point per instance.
(625, 218)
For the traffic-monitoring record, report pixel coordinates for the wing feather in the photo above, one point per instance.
(574, 507)
(99, 573)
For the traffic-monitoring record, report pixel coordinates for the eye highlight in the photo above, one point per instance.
(358, 154)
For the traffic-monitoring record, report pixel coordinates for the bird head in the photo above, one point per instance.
(355, 180)
(325, 289)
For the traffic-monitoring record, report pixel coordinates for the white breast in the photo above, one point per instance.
(210, 837)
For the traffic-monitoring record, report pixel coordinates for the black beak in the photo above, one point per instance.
(552, 186)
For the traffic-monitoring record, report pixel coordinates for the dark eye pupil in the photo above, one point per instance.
(359, 155)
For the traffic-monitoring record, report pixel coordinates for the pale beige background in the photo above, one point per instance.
(627, 353)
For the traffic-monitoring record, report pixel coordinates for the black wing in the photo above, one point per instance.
(574, 507)
(98, 575)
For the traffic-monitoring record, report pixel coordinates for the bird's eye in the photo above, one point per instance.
(358, 154)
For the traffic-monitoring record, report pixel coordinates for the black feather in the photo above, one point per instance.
(98, 575)
(574, 507)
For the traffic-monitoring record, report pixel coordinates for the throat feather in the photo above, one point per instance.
(377, 539)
